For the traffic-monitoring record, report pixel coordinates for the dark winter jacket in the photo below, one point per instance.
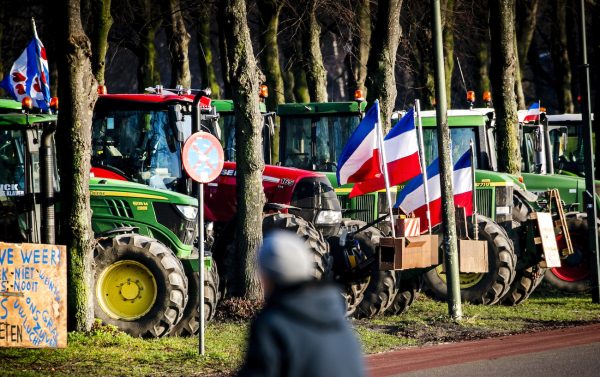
(303, 331)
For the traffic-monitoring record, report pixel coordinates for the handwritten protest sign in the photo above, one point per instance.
(33, 306)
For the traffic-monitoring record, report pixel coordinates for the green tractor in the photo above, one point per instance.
(548, 153)
(146, 265)
(313, 134)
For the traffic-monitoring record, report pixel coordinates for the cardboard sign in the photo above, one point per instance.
(33, 297)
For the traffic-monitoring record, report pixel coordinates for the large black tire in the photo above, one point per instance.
(526, 281)
(405, 296)
(140, 285)
(575, 274)
(190, 323)
(487, 288)
(383, 285)
(312, 238)
(353, 295)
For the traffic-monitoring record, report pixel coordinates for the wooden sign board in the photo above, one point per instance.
(548, 240)
(33, 296)
(473, 256)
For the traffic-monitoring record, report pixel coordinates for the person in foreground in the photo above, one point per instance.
(302, 330)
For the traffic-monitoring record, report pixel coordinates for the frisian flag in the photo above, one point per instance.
(29, 76)
(359, 160)
(412, 198)
(533, 113)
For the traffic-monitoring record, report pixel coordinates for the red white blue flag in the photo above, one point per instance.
(29, 76)
(359, 160)
(412, 198)
(402, 157)
(533, 113)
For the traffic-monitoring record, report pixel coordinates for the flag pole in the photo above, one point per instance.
(35, 34)
(474, 216)
(385, 170)
(422, 160)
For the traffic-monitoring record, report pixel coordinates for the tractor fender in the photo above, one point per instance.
(118, 231)
(528, 196)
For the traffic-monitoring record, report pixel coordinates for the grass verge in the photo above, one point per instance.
(107, 352)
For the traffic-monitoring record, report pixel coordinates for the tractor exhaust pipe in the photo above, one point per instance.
(47, 185)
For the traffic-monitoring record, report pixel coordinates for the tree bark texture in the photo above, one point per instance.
(102, 23)
(288, 86)
(482, 55)
(269, 57)
(207, 69)
(147, 25)
(526, 22)
(224, 51)
(518, 79)
(78, 92)
(381, 80)
(250, 164)
(448, 10)
(178, 40)
(316, 75)
(502, 76)
(356, 59)
(560, 57)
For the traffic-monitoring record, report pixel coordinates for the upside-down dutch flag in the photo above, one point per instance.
(359, 161)
(533, 113)
(402, 157)
(29, 76)
(412, 197)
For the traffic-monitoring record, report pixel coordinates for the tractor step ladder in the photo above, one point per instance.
(561, 222)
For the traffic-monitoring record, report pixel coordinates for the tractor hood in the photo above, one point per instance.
(120, 188)
(571, 188)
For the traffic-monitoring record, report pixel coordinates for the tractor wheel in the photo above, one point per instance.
(481, 288)
(575, 273)
(382, 287)
(353, 295)
(405, 297)
(311, 236)
(526, 281)
(140, 285)
(190, 323)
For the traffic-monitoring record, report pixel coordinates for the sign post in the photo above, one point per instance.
(202, 157)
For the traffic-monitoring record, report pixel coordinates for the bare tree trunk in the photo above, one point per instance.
(502, 75)
(102, 23)
(288, 85)
(448, 12)
(482, 56)
(250, 164)
(209, 76)
(178, 40)
(78, 92)
(147, 23)
(381, 80)
(269, 24)
(356, 59)
(560, 57)
(316, 76)
(526, 22)
(224, 51)
(301, 91)
(518, 80)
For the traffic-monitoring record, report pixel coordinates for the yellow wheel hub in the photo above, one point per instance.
(466, 280)
(126, 290)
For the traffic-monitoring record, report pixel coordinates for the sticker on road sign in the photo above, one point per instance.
(202, 157)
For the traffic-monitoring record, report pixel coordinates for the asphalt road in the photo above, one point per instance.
(565, 352)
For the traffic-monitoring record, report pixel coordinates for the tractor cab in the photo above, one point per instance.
(27, 180)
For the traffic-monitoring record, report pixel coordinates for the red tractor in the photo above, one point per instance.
(139, 137)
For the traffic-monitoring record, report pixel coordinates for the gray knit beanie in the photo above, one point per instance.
(285, 259)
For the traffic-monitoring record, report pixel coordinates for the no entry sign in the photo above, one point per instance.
(202, 157)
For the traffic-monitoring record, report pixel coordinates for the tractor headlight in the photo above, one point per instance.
(328, 217)
(188, 212)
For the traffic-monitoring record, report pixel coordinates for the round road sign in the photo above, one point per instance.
(202, 157)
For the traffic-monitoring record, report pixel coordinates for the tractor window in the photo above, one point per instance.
(528, 153)
(298, 143)
(227, 125)
(12, 163)
(331, 136)
(140, 145)
(460, 137)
